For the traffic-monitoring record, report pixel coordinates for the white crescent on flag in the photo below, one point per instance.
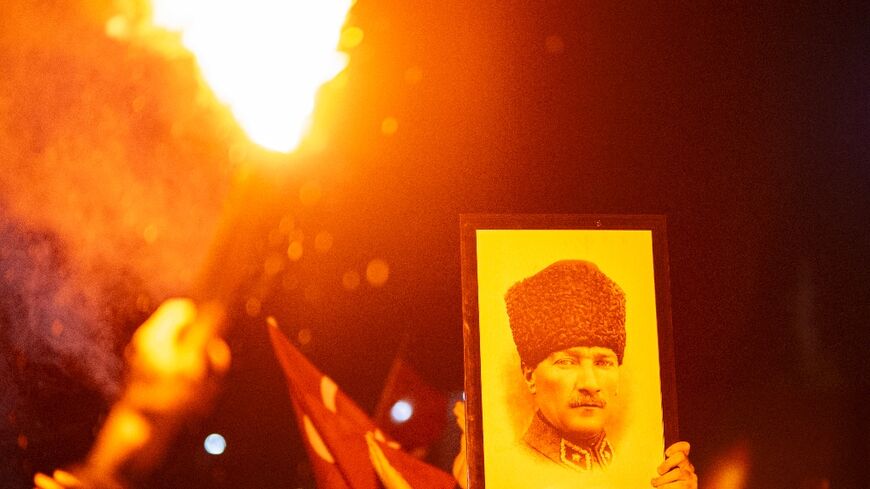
(328, 391)
(316, 441)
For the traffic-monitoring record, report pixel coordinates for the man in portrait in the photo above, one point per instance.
(568, 324)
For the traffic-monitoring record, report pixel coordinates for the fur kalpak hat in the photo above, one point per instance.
(570, 303)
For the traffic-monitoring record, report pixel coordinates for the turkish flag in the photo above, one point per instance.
(334, 428)
(426, 408)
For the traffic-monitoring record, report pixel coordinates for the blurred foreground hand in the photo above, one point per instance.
(60, 479)
(174, 361)
(173, 357)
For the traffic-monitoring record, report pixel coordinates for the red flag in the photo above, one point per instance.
(410, 409)
(334, 429)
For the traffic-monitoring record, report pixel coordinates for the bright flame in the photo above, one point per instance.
(265, 59)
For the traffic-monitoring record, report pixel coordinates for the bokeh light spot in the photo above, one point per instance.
(413, 75)
(351, 37)
(377, 272)
(554, 44)
(294, 251)
(253, 307)
(56, 328)
(350, 280)
(274, 263)
(290, 282)
(389, 126)
(219, 354)
(401, 411)
(286, 225)
(323, 242)
(117, 27)
(304, 336)
(215, 444)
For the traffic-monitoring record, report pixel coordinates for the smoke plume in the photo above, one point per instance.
(113, 166)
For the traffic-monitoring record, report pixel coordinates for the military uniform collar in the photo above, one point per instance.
(544, 438)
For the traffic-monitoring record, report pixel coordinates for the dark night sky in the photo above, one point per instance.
(745, 124)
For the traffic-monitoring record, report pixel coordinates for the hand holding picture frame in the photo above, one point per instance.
(568, 350)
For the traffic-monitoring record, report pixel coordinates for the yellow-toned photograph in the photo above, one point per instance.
(564, 352)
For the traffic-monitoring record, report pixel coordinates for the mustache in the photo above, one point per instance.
(586, 400)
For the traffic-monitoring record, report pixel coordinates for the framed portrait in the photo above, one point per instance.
(569, 371)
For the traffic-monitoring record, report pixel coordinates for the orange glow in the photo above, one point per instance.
(731, 471)
(554, 44)
(294, 251)
(323, 242)
(389, 126)
(312, 293)
(150, 234)
(132, 428)
(253, 306)
(143, 303)
(175, 348)
(56, 328)
(350, 280)
(304, 336)
(351, 37)
(310, 193)
(124, 432)
(286, 225)
(413, 75)
(266, 60)
(273, 264)
(377, 272)
(42, 481)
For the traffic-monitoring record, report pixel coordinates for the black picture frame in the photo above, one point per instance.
(509, 247)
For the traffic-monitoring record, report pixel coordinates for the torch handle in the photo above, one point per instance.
(237, 253)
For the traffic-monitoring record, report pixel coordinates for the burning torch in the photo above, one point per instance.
(265, 61)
